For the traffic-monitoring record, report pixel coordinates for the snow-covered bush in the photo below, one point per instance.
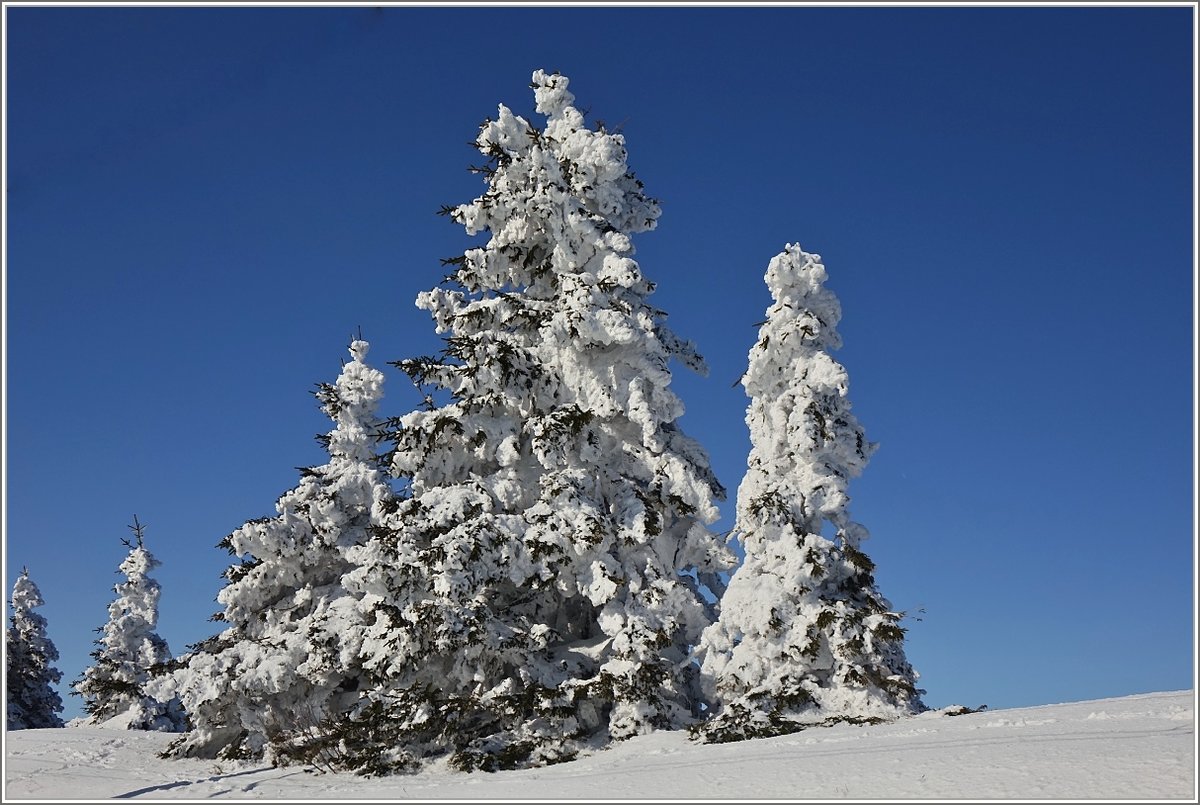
(542, 588)
(804, 635)
(30, 654)
(287, 656)
(129, 650)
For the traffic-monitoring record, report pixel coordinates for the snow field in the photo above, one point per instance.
(1135, 747)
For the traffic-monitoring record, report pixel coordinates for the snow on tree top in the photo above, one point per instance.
(352, 404)
(796, 280)
(139, 562)
(26, 594)
(551, 93)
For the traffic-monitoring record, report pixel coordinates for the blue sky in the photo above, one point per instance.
(204, 204)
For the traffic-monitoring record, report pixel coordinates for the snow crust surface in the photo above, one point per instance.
(1136, 747)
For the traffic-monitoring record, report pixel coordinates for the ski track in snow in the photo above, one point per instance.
(1135, 747)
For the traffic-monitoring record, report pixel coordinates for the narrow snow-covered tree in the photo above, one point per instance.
(129, 650)
(804, 635)
(30, 673)
(541, 589)
(286, 658)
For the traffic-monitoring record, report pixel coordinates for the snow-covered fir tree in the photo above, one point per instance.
(804, 635)
(541, 589)
(30, 673)
(286, 659)
(129, 650)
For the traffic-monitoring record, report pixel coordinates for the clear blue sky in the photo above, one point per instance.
(203, 204)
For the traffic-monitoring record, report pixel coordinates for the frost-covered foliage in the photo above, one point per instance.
(32, 702)
(539, 591)
(129, 650)
(804, 636)
(287, 655)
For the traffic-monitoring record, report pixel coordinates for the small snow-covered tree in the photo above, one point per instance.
(286, 658)
(542, 587)
(129, 650)
(30, 673)
(804, 635)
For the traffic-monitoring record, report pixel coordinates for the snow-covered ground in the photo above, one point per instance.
(1135, 747)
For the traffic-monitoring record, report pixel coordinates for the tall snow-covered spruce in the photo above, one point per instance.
(804, 635)
(129, 650)
(557, 524)
(287, 657)
(30, 654)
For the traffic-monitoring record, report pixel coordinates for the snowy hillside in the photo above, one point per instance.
(1135, 747)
